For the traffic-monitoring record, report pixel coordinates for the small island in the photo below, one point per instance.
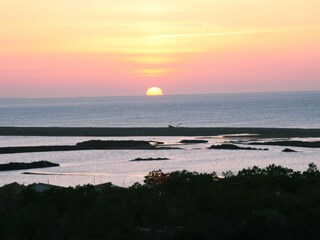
(306, 144)
(288, 150)
(149, 159)
(235, 147)
(111, 144)
(21, 166)
(86, 145)
(193, 141)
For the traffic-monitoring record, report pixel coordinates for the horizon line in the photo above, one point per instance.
(164, 95)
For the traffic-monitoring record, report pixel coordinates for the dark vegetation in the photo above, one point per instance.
(315, 144)
(157, 142)
(87, 145)
(191, 141)
(28, 149)
(157, 131)
(149, 159)
(288, 150)
(270, 203)
(229, 146)
(111, 144)
(18, 166)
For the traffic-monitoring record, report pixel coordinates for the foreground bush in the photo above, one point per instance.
(270, 203)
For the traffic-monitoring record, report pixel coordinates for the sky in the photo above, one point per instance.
(59, 48)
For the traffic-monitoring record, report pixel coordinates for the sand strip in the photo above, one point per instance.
(164, 131)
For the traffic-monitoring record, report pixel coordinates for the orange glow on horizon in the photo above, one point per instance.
(153, 72)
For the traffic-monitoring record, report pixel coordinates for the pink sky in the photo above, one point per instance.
(99, 48)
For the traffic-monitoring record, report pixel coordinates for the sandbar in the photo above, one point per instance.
(157, 131)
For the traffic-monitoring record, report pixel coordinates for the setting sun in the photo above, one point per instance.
(154, 91)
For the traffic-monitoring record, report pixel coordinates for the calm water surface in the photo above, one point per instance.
(83, 167)
(300, 109)
(220, 110)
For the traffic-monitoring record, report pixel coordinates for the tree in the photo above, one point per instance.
(155, 178)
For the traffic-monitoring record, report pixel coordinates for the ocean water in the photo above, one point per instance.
(298, 109)
(95, 167)
(100, 166)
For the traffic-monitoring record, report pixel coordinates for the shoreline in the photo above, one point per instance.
(157, 131)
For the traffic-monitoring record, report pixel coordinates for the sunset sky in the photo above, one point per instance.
(66, 48)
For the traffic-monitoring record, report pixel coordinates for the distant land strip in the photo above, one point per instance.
(156, 131)
(87, 145)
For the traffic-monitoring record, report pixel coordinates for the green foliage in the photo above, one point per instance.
(312, 170)
(257, 203)
(155, 178)
(227, 174)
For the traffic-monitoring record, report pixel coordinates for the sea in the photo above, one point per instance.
(282, 109)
